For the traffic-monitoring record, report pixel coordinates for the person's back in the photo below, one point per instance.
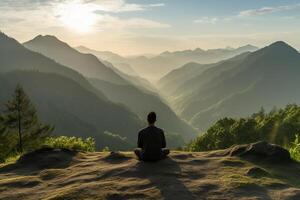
(151, 141)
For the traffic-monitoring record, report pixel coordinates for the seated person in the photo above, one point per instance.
(151, 142)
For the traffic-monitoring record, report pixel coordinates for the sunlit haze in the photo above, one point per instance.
(77, 16)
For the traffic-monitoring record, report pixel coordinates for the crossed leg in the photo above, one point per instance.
(138, 153)
(164, 153)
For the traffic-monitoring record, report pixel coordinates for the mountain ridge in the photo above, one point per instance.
(54, 48)
(28, 68)
(238, 87)
(155, 67)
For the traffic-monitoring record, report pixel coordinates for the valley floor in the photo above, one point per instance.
(63, 174)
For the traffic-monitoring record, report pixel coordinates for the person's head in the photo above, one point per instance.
(151, 118)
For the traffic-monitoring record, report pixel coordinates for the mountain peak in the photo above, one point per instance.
(247, 47)
(46, 38)
(198, 50)
(280, 44)
(281, 47)
(277, 52)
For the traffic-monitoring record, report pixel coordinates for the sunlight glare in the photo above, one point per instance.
(77, 16)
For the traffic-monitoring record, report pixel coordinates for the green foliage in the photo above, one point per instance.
(277, 126)
(20, 128)
(295, 148)
(20, 118)
(74, 143)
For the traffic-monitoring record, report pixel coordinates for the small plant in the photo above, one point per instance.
(106, 149)
(74, 143)
(295, 149)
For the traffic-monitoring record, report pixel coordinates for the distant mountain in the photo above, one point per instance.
(170, 82)
(63, 96)
(237, 87)
(141, 102)
(86, 64)
(14, 56)
(181, 80)
(210, 55)
(132, 79)
(118, 61)
(131, 92)
(156, 66)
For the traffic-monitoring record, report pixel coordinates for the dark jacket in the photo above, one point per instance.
(151, 140)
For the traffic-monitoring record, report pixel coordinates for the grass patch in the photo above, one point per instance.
(73, 143)
(295, 149)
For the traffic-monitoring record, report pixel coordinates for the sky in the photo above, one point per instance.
(132, 27)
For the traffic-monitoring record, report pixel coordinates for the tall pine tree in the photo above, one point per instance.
(20, 117)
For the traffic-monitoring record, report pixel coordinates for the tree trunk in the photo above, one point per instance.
(19, 130)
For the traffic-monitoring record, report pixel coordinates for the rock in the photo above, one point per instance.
(261, 150)
(257, 172)
(115, 157)
(47, 158)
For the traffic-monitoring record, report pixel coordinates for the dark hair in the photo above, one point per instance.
(151, 117)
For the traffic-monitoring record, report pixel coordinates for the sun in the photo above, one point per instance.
(77, 16)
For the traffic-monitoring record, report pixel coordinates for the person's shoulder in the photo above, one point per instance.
(160, 130)
(142, 130)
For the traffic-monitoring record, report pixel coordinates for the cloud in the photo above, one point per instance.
(26, 4)
(267, 10)
(207, 20)
(102, 5)
(62, 14)
(121, 6)
(249, 13)
(111, 22)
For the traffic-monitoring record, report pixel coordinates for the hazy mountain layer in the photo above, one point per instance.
(239, 86)
(135, 80)
(64, 97)
(141, 102)
(73, 110)
(14, 56)
(157, 66)
(118, 61)
(86, 64)
(180, 82)
(131, 93)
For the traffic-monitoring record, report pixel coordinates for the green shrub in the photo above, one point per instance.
(277, 126)
(295, 149)
(73, 143)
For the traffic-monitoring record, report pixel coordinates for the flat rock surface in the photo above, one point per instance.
(182, 176)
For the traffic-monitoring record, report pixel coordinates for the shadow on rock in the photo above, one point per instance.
(45, 158)
(261, 151)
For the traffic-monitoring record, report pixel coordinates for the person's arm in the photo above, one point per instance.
(140, 143)
(164, 144)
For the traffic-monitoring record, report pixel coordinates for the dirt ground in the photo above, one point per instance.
(62, 174)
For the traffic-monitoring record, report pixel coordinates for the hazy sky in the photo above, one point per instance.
(152, 26)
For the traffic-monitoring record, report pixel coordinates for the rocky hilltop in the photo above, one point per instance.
(254, 171)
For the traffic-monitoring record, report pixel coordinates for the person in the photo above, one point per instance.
(151, 142)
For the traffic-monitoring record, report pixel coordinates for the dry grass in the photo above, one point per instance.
(206, 175)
